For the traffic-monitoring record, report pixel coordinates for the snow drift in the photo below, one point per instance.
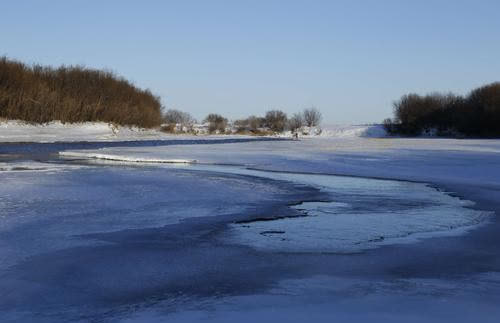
(346, 131)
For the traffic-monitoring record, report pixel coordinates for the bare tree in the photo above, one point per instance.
(251, 124)
(216, 122)
(295, 122)
(312, 117)
(254, 123)
(173, 116)
(276, 120)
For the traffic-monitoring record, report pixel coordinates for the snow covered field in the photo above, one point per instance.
(19, 131)
(256, 230)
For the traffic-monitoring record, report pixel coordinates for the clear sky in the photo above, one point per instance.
(351, 59)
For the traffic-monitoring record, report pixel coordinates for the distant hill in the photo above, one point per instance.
(41, 94)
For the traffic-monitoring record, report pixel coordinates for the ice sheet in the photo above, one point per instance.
(96, 244)
(361, 214)
(48, 210)
(468, 162)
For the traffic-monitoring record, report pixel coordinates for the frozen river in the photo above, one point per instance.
(249, 232)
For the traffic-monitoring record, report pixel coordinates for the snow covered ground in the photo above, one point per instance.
(254, 231)
(346, 131)
(18, 131)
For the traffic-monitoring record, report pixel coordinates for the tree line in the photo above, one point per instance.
(41, 94)
(274, 121)
(474, 115)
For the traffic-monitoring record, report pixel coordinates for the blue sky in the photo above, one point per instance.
(351, 59)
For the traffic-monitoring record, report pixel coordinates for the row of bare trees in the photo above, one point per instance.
(40, 94)
(273, 121)
(278, 121)
(179, 121)
(477, 114)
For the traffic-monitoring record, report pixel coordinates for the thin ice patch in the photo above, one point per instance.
(370, 213)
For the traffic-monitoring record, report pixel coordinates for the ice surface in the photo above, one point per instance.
(81, 242)
(34, 166)
(371, 213)
(48, 210)
(362, 214)
(329, 230)
(465, 162)
(140, 242)
(344, 299)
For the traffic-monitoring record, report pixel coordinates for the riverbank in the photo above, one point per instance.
(13, 131)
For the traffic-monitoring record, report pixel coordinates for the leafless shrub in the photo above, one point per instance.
(312, 117)
(168, 128)
(217, 123)
(276, 120)
(173, 116)
(295, 122)
(252, 125)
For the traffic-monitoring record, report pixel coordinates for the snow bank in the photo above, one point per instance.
(19, 131)
(339, 131)
(346, 131)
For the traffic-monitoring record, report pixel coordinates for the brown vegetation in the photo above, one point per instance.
(477, 115)
(276, 120)
(296, 122)
(41, 94)
(176, 121)
(250, 125)
(216, 123)
(312, 117)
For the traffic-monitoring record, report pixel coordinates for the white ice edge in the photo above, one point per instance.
(126, 158)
